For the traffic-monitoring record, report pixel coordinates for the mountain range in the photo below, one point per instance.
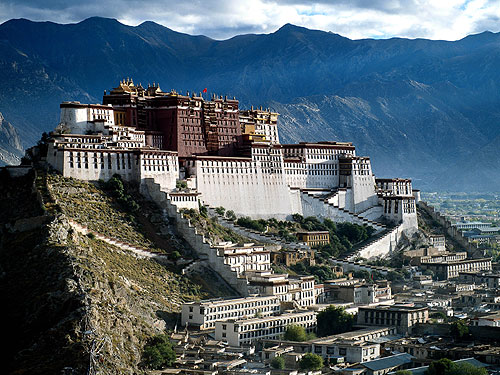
(424, 109)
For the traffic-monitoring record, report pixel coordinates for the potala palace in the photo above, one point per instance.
(227, 157)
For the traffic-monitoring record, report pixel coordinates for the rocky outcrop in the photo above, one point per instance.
(11, 149)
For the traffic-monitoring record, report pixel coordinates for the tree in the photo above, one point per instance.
(278, 363)
(467, 369)
(438, 315)
(295, 333)
(203, 210)
(459, 330)
(311, 361)
(230, 215)
(220, 211)
(446, 367)
(158, 353)
(334, 320)
(440, 367)
(115, 185)
(403, 372)
(174, 255)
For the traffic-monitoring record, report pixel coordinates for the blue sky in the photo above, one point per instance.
(221, 19)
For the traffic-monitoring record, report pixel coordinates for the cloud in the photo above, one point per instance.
(449, 20)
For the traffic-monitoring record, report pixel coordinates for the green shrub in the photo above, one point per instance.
(258, 225)
(175, 255)
(203, 211)
(311, 361)
(295, 333)
(278, 363)
(334, 320)
(459, 330)
(220, 211)
(158, 353)
(230, 215)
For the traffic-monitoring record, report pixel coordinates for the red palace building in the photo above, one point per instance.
(187, 124)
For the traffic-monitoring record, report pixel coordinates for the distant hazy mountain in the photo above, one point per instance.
(424, 109)
(11, 149)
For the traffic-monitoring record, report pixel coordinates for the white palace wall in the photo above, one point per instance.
(243, 186)
(81, 118)
(363, 185)
(102, 164)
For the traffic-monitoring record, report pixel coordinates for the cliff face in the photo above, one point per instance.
(11, 149)
(75, 301)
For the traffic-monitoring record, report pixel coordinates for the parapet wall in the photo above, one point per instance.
(197, 241)
(258, 195)
(381, 247)
(348, 265)
(452, 231)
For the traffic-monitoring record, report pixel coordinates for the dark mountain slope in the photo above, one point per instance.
(418, 107)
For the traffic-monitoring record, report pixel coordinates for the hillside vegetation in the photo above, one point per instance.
(74, 292)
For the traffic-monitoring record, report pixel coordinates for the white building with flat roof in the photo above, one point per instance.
(467, 225)
(298, 289)
(205, 314)
(353, 351)
(248, 331)
(245, 258)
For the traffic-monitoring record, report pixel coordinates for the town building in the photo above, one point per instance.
(205, 314)
(352, 351)
(482, 235)
(245, 332)
(442, 257)
(489, 320)
(491, 280)
(423, 369)
(449, 269)
(291, 257)
(403, 317)
(360, 293)
(298, 290)
(385, 365)
(438, 241)
(244, 258)
(314, 238)
(468, 225)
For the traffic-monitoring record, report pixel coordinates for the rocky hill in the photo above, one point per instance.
(11, 149)
(420, 108)
(75, 301)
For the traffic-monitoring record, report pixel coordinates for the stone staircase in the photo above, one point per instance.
(343, 213)
(382, 244)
